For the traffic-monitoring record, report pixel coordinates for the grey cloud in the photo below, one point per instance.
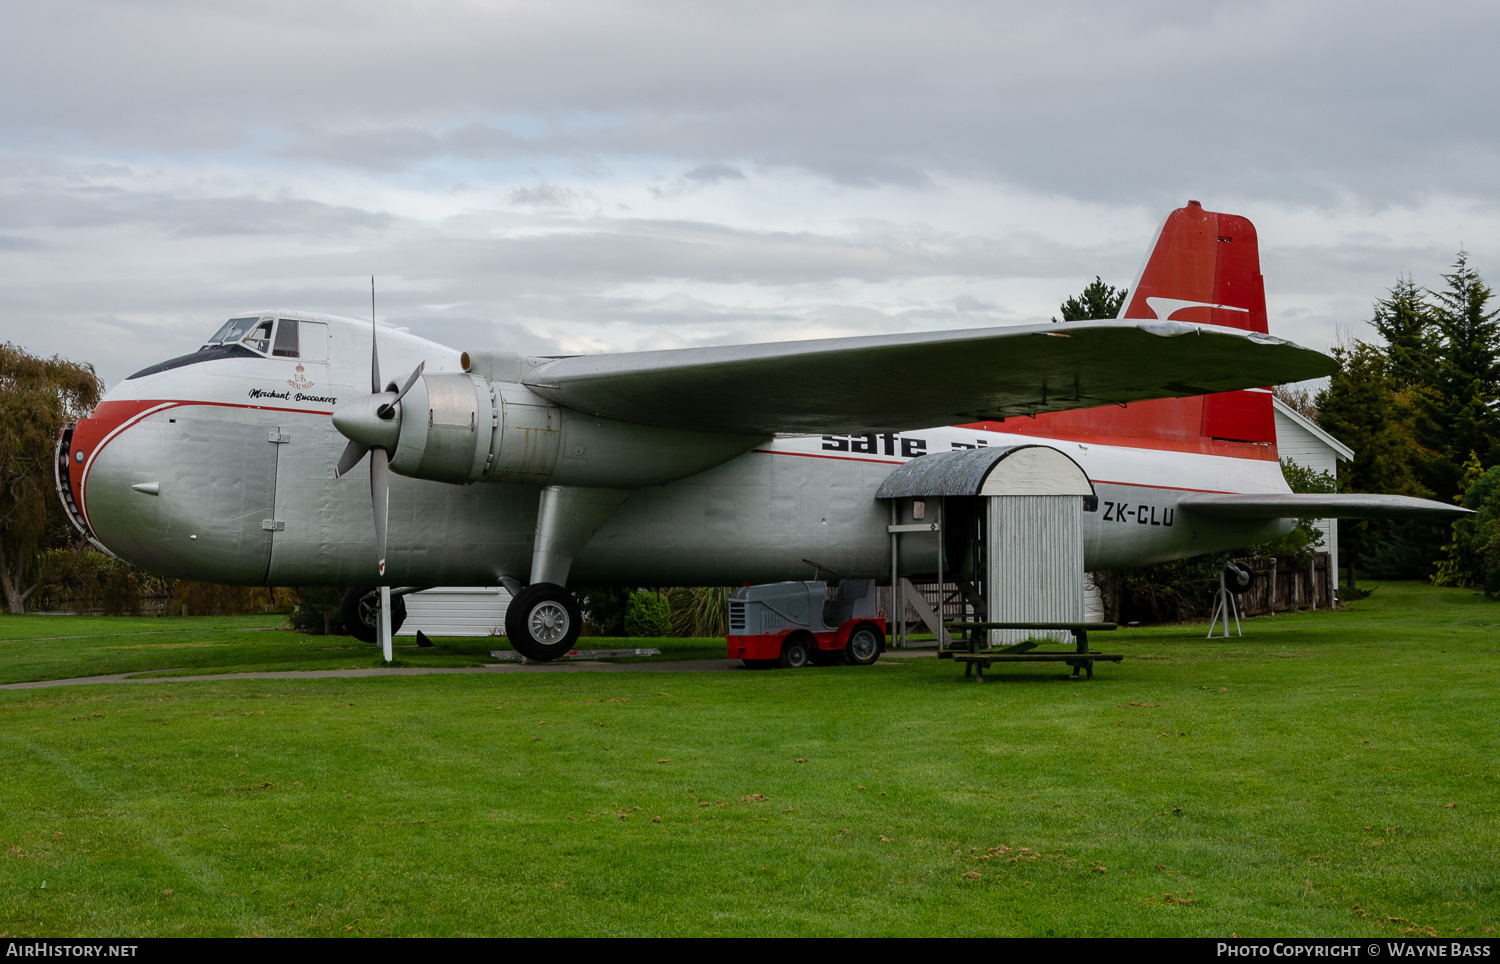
(714, 173)
(184, 216)
(544, 196)
(1303, 103)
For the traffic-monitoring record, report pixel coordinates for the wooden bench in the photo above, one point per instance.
(977, 660)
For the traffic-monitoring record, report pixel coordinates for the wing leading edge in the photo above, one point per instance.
(1293, 505)
(900, 382)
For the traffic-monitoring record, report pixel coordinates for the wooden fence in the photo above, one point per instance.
(1281, 585)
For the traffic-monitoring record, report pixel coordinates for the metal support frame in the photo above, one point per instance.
(942, 610)
(1224, 607)
(384, 619)
(898, 598)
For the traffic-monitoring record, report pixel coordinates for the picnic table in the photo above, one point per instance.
(977, 660)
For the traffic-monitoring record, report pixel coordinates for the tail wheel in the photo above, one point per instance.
(795, 653)
(865, 645)
(361, 612)
(543, 621)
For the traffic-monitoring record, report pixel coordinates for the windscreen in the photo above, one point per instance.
(234, 329)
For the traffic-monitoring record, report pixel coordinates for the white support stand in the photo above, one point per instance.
(1224, 607)
(384, 622)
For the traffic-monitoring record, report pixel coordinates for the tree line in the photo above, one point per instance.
(1420, 407)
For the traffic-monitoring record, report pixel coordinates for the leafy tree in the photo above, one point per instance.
(37, 395)
(1097, 301)
(1299, 398)
(1465, 562)
(604, 608)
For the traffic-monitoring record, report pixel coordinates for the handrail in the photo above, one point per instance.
(1084, 626)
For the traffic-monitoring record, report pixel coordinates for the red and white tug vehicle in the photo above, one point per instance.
(795, 624)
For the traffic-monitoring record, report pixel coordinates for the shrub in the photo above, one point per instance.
(700, 611)
(318, 610)
(648, 616)
(604, 609)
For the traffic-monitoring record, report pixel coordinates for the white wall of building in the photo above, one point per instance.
(1307, 445)
(456, 611)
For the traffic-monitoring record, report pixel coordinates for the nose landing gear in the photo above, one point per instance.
(361, 612)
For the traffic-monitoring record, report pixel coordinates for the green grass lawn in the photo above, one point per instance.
(39, 647)
(1328, 774)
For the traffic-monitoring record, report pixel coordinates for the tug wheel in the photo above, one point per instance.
(543, 621)
(864, 646)
(795, 653)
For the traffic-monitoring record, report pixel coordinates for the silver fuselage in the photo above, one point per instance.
(222, 471)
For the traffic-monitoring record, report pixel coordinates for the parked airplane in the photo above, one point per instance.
(246, 461)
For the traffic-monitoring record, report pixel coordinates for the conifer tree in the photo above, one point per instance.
(1463, 403)
(1404, 320)
(1097, 301)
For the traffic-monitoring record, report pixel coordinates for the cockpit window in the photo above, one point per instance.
(259, 338)
(286, 338)
(234, 329)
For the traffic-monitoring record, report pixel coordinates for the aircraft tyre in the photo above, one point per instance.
(865, 645)
(1238, 576)
(361, 608)
(795, 653)
(543, 621)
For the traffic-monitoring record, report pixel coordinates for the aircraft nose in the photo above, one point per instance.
(181, 492)
(358, 420)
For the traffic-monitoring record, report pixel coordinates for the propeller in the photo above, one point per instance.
(372, 424)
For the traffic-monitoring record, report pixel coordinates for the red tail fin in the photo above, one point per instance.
(1203, 269)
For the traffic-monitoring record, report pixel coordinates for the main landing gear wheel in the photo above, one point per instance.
(543, 621)
(361, 612)
(864, 645)
(795, 653)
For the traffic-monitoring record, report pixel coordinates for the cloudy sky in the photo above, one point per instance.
(578, 176)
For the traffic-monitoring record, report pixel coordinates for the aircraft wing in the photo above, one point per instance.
(883, 383)
(1292, 505)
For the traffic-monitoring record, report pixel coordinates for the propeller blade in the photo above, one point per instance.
(374, 351)
(353, 452)
(380, 498)
(386, 409)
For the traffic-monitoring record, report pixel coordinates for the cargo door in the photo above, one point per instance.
(223, 495)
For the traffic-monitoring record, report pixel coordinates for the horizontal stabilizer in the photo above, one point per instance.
(1293, 505)
(884, 383)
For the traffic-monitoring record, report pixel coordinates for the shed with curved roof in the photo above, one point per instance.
(991, 471)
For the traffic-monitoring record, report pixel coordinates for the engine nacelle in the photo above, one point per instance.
(472, 428)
